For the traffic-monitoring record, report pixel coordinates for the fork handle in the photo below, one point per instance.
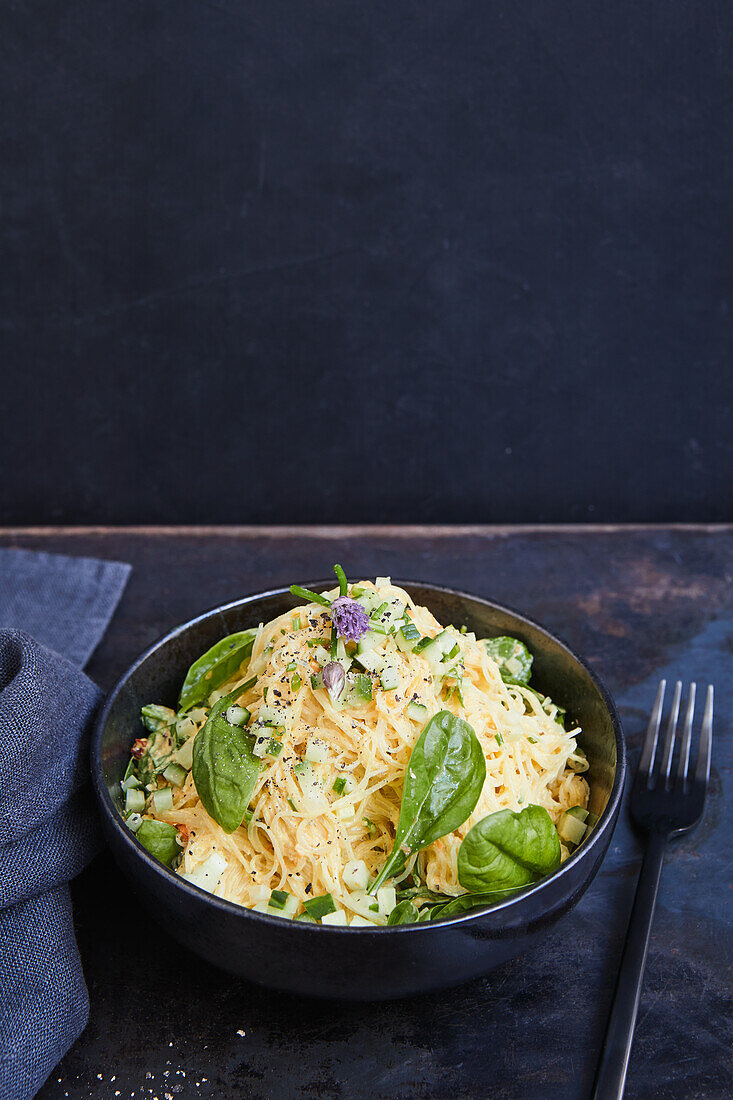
(611, 1075)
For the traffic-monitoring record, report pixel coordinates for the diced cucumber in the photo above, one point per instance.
(184, 755)
(355, 875)
(306, 918)
(314, 798)
(390, 676)
(359, 690)
(369, 599)
(417, 711)
(175, 774)
(407, 637)
(133, 822)
(185, 727)
(134, 801)
(208, 875)
(366, 906)
(237, 716)
(290, 905)
(337, 918)
(436, 650)
(383, 582)
(570, 829)
(371, 660)
(385, 612)
(321, 655)
(261, 744)
(131, 783)
(393, 614)
(386, 899)
(579, 812)
(360, 922)
(274, 716)
(370, 641)
(163, 800)
(316, 751)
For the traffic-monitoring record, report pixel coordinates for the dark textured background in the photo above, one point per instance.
(639, 605)
(333, 261)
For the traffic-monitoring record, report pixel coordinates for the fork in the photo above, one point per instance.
(663, 805)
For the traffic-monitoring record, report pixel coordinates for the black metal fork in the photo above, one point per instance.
(664, 805)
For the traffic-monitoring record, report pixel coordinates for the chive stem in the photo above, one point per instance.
(306, 594)
(343, 583)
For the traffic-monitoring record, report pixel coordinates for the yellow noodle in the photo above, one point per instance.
(304, 849)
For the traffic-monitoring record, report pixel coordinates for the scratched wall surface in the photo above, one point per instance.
(639, 605)
(327, 261)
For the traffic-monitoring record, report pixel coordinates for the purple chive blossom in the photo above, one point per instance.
(349, 618)
(334, 679)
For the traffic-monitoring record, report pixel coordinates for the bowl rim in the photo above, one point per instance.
(584, 853)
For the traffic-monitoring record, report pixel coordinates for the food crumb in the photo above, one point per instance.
(241, 1033)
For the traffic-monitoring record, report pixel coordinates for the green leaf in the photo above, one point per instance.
(161, 840)
(155, 717)
(512, 657)
(225, 769)
(422, 894)
(507, 850)
(404, 913)
(214, 668)
(444, 779)
(464, 902)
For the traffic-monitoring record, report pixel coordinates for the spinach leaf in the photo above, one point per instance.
(155, 717)
(404, 913)
(507, 850)
(225, 768)
(422, 894)
(214, 668)
(444, 779)
(464, 902)
(512, 657)
(161, 840)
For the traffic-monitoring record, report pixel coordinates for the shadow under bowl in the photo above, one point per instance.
(363, 963)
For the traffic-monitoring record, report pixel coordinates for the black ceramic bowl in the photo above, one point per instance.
(363, 963)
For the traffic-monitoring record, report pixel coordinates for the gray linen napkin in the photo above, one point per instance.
(53, 612)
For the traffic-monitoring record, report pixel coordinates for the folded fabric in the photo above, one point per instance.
(48, 828)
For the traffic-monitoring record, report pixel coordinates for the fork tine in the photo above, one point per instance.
(702, 771)
(650, 741)
(671, 731)
(684, 761)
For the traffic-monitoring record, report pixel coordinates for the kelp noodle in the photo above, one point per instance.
(300, 810)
